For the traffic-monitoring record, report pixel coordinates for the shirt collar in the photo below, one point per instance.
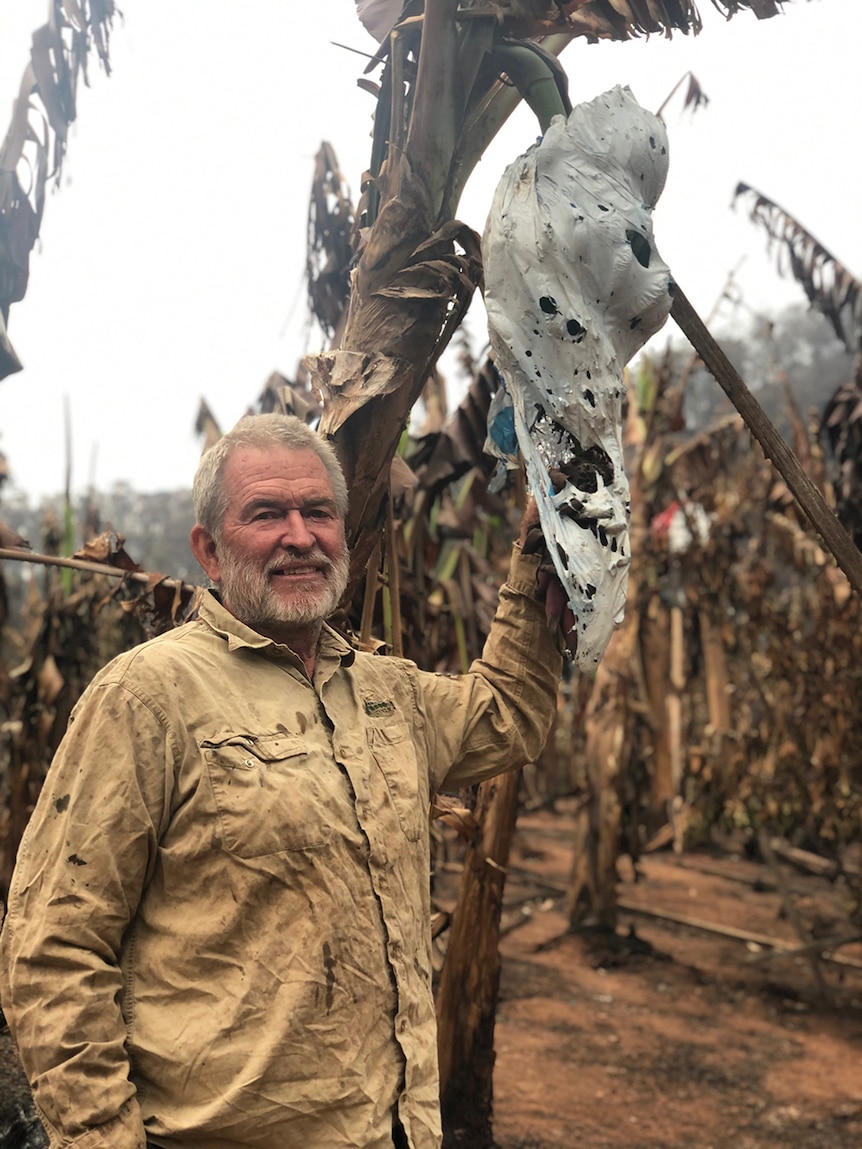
(330, 645)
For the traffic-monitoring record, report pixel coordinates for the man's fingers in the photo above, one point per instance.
(533, 541)
(557, 609)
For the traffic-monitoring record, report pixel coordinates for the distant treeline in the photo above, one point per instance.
(155, 525)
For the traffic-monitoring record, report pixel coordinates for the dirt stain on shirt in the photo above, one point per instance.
(329, 968)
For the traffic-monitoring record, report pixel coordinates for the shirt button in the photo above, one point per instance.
(402, 1025)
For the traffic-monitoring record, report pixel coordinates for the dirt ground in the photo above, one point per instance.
(672, 1036)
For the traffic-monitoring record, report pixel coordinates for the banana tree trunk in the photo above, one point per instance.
(397, 327)
(414, 279)
(467, 994)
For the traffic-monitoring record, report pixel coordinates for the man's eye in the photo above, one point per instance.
(318, 513)
(262, 515)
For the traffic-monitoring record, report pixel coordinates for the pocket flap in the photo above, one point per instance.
(264, 747)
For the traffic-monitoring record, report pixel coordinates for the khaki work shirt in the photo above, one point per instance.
(218, 928)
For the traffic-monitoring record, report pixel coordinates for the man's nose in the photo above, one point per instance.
(295, 532)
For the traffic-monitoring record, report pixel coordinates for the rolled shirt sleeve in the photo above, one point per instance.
(499, 715)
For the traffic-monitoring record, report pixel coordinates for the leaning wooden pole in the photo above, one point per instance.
(820, 514)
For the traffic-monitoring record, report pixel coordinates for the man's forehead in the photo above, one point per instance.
(275, 459)
(248, 469)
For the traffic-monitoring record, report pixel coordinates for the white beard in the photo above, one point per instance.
(247, 591)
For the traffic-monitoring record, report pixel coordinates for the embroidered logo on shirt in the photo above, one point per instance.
(378, 709)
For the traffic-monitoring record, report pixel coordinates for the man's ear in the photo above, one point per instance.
(204, 549)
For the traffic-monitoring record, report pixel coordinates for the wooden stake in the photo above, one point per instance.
(674, 696)
(777, 944)
(812, 863)
(145, 577)
(715, 674)
(372, 581)
(394, 581)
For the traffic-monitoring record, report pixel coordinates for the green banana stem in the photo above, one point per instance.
(484, 120)
(534, 77)
(437, 113)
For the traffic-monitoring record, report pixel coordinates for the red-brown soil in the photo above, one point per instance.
(671, 1036)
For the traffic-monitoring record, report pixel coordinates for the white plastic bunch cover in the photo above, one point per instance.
(574, 287)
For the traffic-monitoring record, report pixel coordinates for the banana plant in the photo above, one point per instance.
(451, 75)
(835, 292)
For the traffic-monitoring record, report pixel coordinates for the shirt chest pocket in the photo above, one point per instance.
(267, 797)
(392, 748)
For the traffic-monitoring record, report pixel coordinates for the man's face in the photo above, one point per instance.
(281, 559)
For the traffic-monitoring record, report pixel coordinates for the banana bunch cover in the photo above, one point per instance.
(574, 287)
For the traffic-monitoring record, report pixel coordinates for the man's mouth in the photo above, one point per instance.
(303, 571)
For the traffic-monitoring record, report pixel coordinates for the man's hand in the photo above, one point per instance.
(557, 609)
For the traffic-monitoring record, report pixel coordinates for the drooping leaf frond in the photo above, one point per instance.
(595, 19)
(330, 228)
(830, 287)
(444, 457)
(695, 97)
(613, 19)
(207, 427)
(841, 423)
(32, 152)
(602, 19)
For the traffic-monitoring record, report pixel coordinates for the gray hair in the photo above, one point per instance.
(259, 431)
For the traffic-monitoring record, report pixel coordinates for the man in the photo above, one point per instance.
(218, 928)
